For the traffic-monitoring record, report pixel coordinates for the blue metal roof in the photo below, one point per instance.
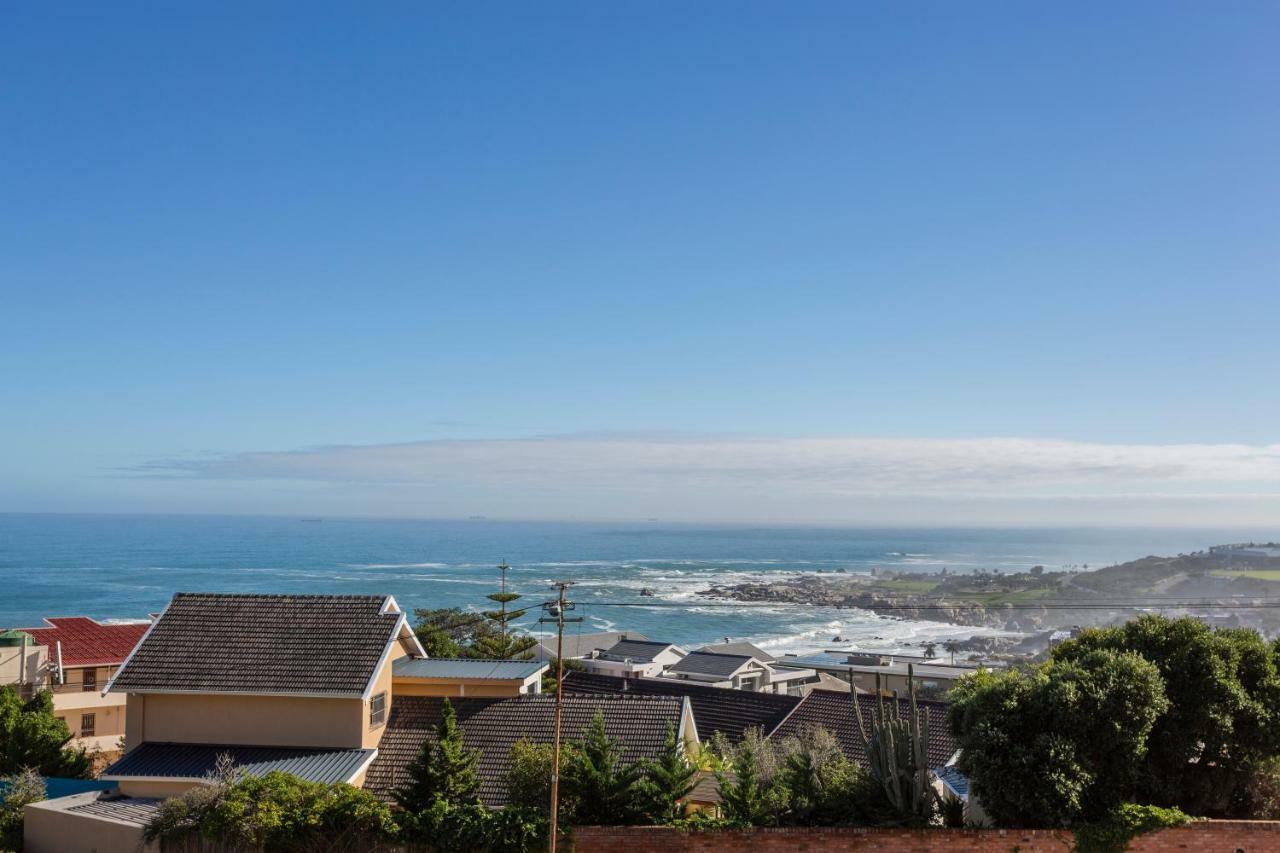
(196, 760)
(955, 780)
(514, 670)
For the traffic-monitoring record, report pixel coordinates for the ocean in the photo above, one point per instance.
(126, 566)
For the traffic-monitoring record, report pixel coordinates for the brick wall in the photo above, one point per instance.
(1203, 837)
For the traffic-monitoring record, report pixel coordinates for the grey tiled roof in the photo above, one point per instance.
(640, 651)
(516, 670)
(491, 726)
(581, 645)
(301, 644)
(833, 711)
(715, 709)
(709, 663)
(740, 648)
(194, 761)
(135, 810)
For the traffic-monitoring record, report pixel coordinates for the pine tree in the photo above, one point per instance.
(503, 644)
(669, 778)
(444, 771)
(604, 787)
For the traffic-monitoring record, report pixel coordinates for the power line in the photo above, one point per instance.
(1058, 604)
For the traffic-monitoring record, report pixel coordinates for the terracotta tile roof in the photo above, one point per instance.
(278, 644)
(86, 642)
(492, 726)
(715, 709)
(833, 712)
(196, 760)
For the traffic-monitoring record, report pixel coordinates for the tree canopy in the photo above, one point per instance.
(1222, 717)
(31, 736)
(1059, 743)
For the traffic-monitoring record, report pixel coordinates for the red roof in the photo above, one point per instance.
(86, 642)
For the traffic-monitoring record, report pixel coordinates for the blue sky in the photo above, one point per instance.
(230, 232)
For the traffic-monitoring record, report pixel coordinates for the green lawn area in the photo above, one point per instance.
(1256, 574)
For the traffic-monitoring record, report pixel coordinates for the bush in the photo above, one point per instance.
(276, 812)
(1122, 825)
(17, 790)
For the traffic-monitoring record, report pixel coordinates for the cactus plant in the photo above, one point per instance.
(897, 750)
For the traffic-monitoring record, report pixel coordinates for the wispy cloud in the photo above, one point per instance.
(727, 477)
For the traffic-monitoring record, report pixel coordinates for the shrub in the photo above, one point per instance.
(16, 791)
(1122, 825)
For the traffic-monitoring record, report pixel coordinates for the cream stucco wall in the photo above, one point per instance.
(474, 688)
(248, 720)
(49, 828)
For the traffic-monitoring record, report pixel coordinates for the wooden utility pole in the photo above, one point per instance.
(555, 613)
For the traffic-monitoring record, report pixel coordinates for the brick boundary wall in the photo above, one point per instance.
(1211, 836)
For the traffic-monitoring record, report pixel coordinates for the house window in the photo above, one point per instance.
(90, 680)
(378, 710)
(86, 725)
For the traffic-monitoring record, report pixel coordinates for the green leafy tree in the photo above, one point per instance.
(444, 771)
(603, 786)
(750, 789)
(667, 781)
(450, 632)
(1223, 713)
(503, 643)
(529, 778)
(31, 736)
(1059, 743)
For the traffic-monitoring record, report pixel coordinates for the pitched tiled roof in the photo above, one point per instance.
(748, 649)
(715, 709)
(640, 651)
(292, 644)
(86, 642)
(491, 726)
(833, 712)
(710, 663)
(195, 761)
(516, 670)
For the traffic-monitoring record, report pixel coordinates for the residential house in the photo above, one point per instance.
(466, 677)
(74, 657)
(716, 710)
(862, 669)
(490, 727)
(582, 646)
(741, 672)
(635, 658)
(833, 712)
(301, 683)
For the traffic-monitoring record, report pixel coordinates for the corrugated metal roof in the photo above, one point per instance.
(954, 779)
(195, 761)
(135, 810)
(87, 642)
(516, 670)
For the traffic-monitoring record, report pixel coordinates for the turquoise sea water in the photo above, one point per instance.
(123, 567)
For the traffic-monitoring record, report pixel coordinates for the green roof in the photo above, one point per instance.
(16, 638)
